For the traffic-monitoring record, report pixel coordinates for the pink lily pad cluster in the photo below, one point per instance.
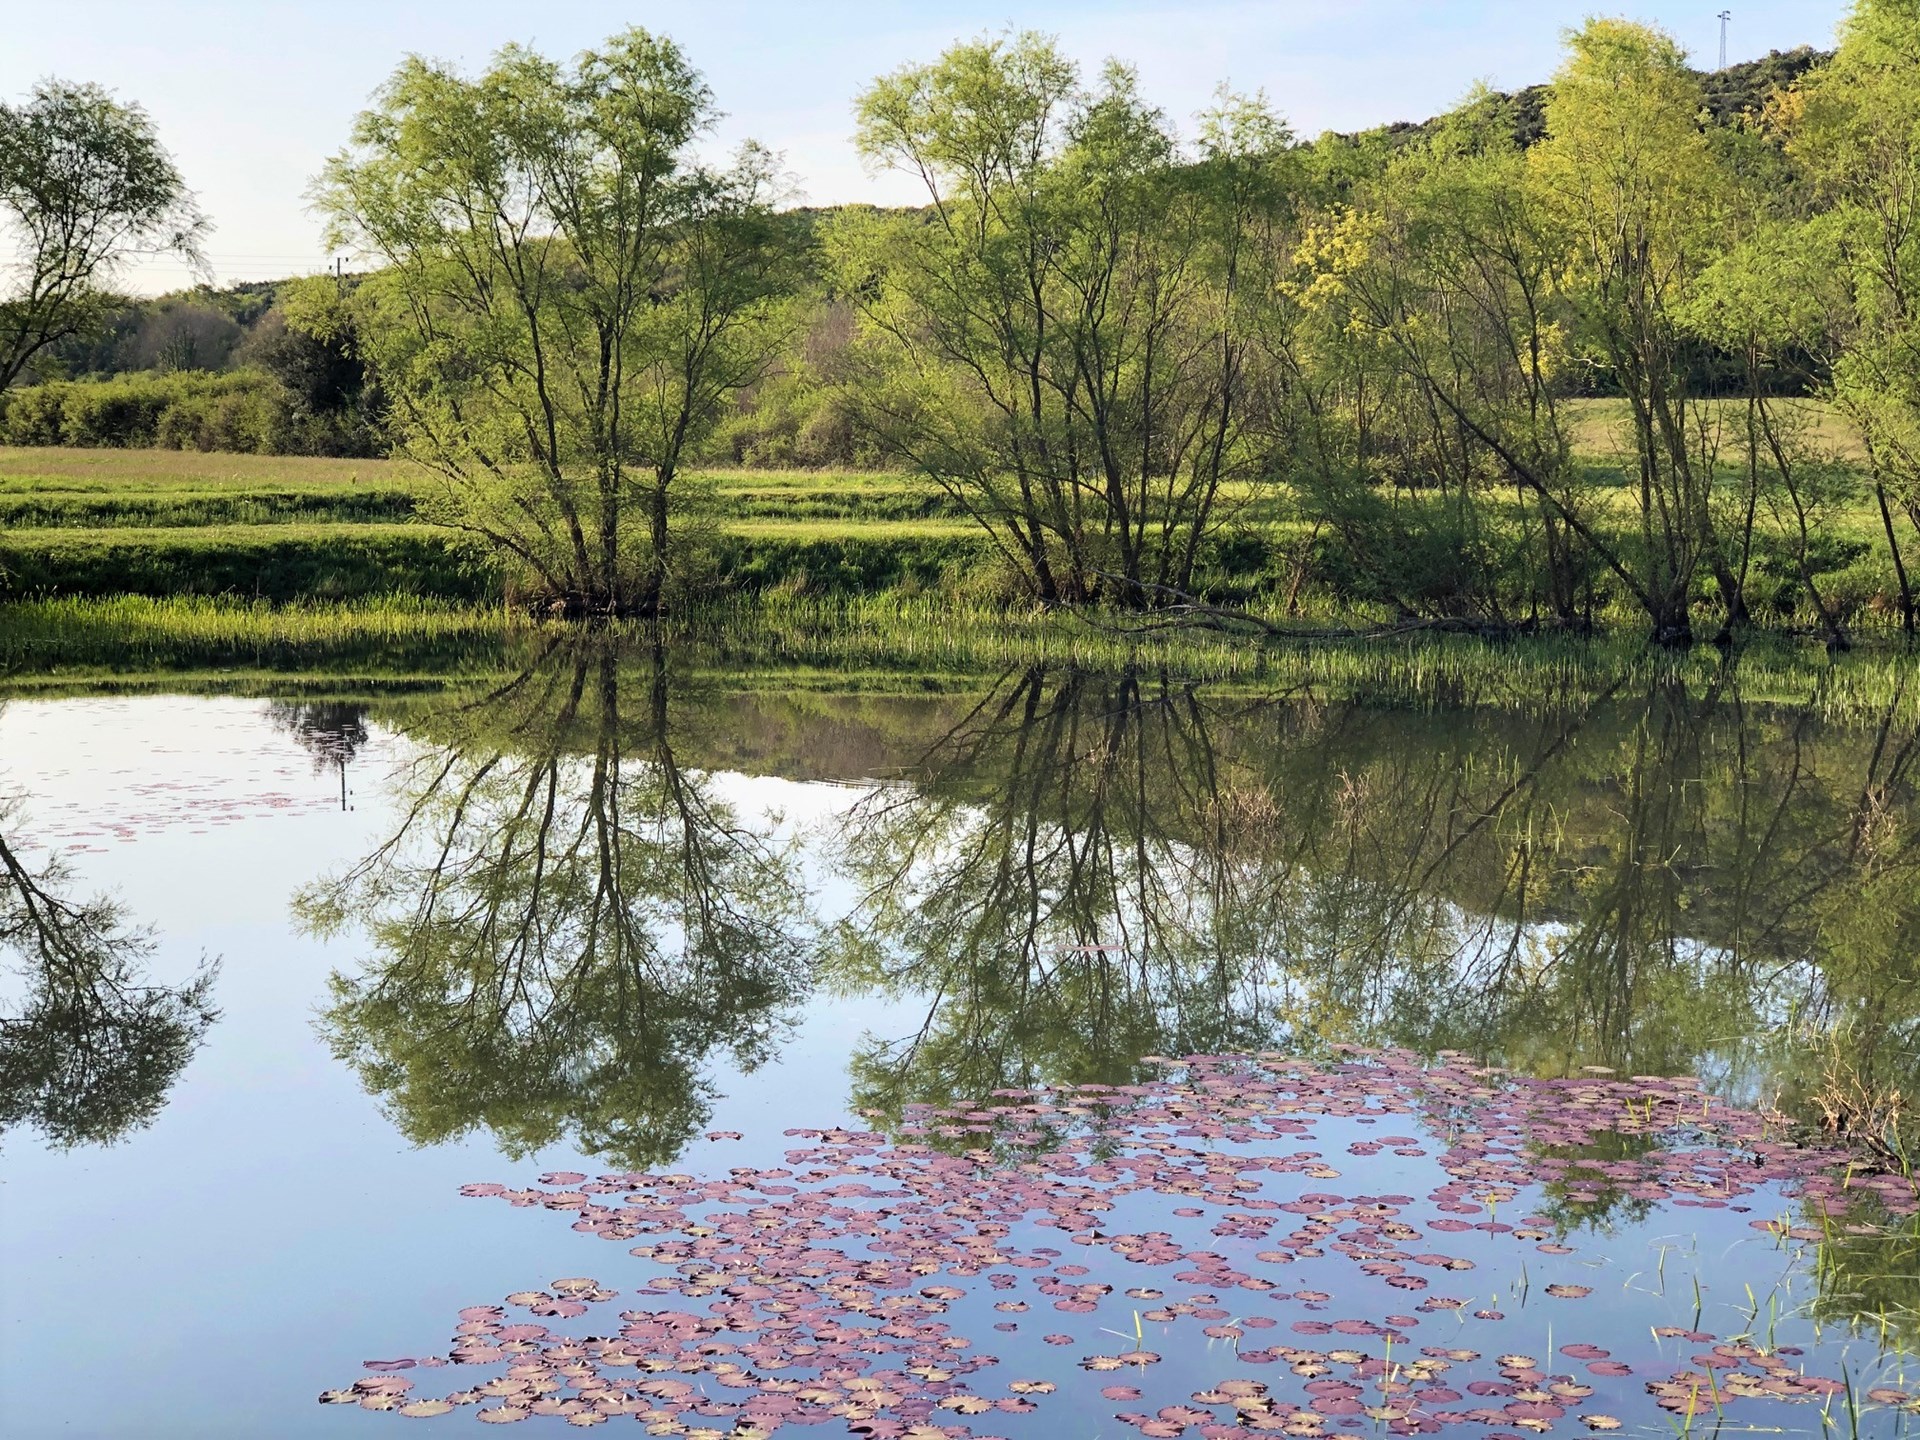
(1168, 1255)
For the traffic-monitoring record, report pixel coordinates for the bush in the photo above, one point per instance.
(244, 411)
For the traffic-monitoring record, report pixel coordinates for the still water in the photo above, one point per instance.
(285, 973)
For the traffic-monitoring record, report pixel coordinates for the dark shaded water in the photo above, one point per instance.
(582, 919)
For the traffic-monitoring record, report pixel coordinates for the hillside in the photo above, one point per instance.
(1730, 93)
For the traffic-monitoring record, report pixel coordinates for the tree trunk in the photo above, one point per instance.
(1899, 564)
(610, 588)
(653, 592)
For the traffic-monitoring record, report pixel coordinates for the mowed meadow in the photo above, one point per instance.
(80, 522)
(97, 522)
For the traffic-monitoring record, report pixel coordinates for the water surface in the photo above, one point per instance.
(358, 951)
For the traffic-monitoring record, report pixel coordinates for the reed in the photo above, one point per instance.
(932, 640)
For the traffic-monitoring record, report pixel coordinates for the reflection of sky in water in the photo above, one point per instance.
(1304, 1243)
(209, 1275)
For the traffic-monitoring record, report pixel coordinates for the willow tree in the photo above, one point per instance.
(1061, 339)
(566, 302)
(85, 187)
(1629, 175)
(1441, 299)
(1778, 302)
(1855, 124)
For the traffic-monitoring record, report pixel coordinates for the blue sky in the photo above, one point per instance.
(251, 95)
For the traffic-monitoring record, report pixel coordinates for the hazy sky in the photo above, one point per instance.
(251, 95)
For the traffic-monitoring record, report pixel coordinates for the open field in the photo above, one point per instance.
(92, 522)
(164, 522)
(1599, 426)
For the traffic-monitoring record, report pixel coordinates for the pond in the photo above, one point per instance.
(622, 1037)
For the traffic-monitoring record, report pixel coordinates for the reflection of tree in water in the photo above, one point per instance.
(1088, 869)
(566, 925)
(1037, 879)
(333, 732)
(90, 1050)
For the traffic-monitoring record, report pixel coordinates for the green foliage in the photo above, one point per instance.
(236, 411)
(1855, 126)
(568, 304)
(802, 413)
(1064, 340)
(84, 184)
(1107, 365)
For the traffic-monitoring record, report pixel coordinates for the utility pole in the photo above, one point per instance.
(1725, 16)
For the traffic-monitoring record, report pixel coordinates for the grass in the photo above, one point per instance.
(53, 488)
(78, 522)
(27, 466)
(162, 522)
(44, 641)
(176, 508)
(1599, 426)
(272, 562)
(922, 645)
(935, 634)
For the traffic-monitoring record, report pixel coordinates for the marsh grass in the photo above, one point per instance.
(1858, 1106)
(396, 634)
(933, 642)
(165, 522)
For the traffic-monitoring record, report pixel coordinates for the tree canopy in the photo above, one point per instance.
(85, 186)
(567, 298)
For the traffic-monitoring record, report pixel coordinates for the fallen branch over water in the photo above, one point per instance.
(1189, 612)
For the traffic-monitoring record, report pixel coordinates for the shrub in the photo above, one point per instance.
(245, 411)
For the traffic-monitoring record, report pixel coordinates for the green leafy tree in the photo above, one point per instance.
(1445, 337)
(1855, 124)
(1778, 300)
(85, 187)
(1063, 339)
(1629, 175)
(568, 302)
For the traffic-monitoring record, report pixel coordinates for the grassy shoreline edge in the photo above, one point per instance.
(912, 643)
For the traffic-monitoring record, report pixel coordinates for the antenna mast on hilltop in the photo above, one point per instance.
(1725, 16)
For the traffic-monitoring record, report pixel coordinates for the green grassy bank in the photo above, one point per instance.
(886, 644)
(160, 523)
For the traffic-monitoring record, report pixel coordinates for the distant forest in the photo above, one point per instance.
(296, 385)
